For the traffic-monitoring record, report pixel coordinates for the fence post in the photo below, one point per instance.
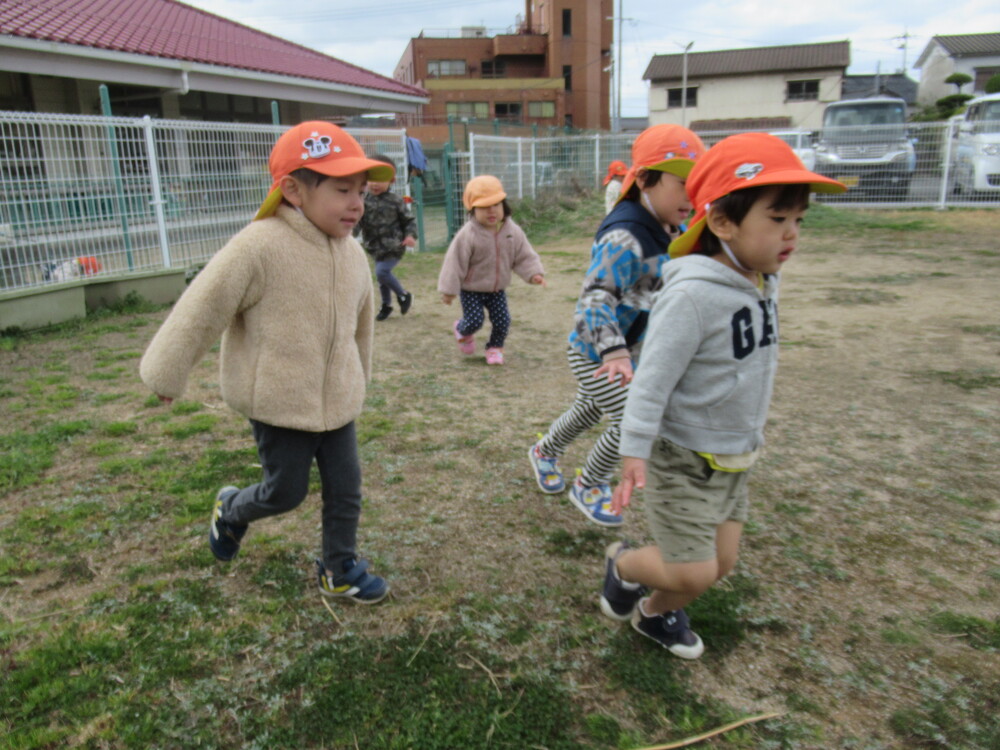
(116, 168)
(417, 186)
(946, 167)
(157, 189)
(534, 155)
(597, 158)
(449, 189)
(275, 115)
(520, 171)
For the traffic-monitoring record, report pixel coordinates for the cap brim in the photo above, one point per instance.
(377, 171)
(817, 182)
(677, 167)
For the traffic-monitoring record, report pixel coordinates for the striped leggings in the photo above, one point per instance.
(595, 398)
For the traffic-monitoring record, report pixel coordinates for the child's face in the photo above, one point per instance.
(377, 188)
(668, 199)
(489, 216)
(767, 236)
(336, 205)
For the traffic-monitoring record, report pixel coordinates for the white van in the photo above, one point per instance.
(977, 150)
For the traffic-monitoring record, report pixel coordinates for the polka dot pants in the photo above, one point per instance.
(495, 303)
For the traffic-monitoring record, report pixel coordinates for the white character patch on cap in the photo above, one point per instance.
(317, 146)
(748, 170)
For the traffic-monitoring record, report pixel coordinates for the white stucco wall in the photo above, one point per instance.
(939, 65)
(752, 96)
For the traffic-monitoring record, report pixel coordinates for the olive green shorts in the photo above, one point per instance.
(686, 501)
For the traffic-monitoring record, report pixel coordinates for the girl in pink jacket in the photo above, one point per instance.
(478, 265)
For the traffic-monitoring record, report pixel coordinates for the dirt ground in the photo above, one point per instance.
(874, 508)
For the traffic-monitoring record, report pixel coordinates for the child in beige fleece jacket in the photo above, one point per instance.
(478, 266)
(292, 298)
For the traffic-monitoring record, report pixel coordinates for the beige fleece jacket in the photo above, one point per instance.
(479, 260)
(295, 311)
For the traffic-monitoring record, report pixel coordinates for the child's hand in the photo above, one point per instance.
(613, 368)
(447, 298)
(409, 242)
(633, 478)
(539, 280)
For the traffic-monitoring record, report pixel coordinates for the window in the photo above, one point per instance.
(478, 110)
(441, 68)
(982, 76)
(568, 77)
(542, 109)
(675, 97)
(15, 92)
(567, 20)
(803, 91)
(508, 110)
(493, 68)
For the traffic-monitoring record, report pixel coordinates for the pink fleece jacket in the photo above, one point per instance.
(479, 260)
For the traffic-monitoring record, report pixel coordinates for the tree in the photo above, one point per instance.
(959, 79)
(992, 84)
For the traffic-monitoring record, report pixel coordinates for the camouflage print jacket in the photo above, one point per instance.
(626, 263)
(386, 223)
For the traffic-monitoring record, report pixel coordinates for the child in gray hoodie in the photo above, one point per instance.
(695, 413)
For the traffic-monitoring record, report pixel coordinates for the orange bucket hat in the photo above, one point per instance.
(739, 162)
(482, 191)
(615, 169)
(324, 148)
(663, 148)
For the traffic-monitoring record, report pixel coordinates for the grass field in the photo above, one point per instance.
(864, 613)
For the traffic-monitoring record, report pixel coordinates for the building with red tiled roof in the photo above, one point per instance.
(167, 59)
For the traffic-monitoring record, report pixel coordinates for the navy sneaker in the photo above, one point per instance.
(594, 502)
(405, 300)
(671, 630)
(546, 469)
(224, 538)
(384, 312)
(619, 597)
(355, 583)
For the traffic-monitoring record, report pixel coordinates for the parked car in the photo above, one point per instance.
(977, 148)
(864, 143)
(801, 143)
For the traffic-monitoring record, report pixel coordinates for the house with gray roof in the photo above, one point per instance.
(755, 88)
(864, 85)
(975, 54)
(166, 59)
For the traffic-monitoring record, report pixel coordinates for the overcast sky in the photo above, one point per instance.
(373, 35)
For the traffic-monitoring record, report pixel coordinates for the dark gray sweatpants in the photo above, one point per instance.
(286, 456)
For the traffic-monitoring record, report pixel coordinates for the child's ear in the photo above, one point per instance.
(291, 190)
(640, 177)
(720, 224)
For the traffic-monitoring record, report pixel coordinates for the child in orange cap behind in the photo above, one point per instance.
(694, 417)
(478, 265)
(291, 296)
(613, 184)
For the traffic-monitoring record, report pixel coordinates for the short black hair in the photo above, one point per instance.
(386, 159)
(506, 209)
(652, 177)
(736, 205)
(308, 177)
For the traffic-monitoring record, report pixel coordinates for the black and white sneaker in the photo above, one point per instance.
(619, 597)
(384, 312)
(224, 538)
(405, 301)
(671, 630)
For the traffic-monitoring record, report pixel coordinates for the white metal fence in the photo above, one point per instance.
(920, 164)
(131, 194)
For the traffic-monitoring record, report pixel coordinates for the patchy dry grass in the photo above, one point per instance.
(864, 609)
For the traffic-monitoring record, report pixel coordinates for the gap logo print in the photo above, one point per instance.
(746, 336)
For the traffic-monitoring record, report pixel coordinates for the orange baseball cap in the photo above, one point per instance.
(739, 162)
(482, 191)
(615, 169)
(664, 148)
(322, 147)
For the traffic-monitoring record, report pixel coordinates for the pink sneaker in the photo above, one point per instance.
(466, 343)
(494, 356)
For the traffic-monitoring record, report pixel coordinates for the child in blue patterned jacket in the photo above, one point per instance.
(626, 261)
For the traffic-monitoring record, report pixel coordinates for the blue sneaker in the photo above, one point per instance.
(619, 597)
(224, 538)
(355, 583)
(671, 630)
(594, 502)
(547, 472)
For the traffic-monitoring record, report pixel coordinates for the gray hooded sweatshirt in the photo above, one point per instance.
(708, 362)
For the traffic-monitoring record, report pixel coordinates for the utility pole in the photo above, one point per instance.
(684, 85)
(618, 73)
(903, 40)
